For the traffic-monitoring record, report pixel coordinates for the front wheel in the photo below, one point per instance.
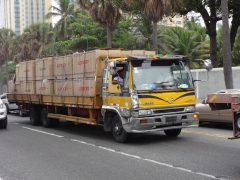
(173, 132)
(119, 133)
(3, 123)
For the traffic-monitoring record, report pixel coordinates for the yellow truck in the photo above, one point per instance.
(123, 91)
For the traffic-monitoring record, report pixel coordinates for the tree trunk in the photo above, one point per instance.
(7, 75)
(213, 50)
(109, 36)
(1, 81)
(227, 60)
(211, 26)
(234, 29)
(154, 37)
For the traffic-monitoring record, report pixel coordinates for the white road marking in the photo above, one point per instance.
(42, 132)
(129, 155)
(1, 178)
(148, 160)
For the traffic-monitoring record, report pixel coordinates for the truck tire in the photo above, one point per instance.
(3, 123)
(46, 121)
(173, 132)
(119, 133)
(34, 116)
(20, 113)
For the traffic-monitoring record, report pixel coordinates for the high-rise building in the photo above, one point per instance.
(19, 14)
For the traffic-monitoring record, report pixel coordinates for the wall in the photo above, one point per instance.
(215, 82)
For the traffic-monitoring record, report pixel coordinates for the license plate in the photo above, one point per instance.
(171, 119)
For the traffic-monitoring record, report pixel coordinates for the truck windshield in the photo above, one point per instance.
(161, 75)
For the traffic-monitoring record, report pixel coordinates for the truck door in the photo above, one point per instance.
(116, 93)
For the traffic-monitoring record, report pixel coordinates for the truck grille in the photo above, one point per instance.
(165, 111)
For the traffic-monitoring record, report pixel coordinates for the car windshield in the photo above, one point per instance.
(161, 75)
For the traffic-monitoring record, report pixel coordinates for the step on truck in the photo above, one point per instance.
(123, 91)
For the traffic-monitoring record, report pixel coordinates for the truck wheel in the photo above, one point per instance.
(8, 110)
(3, 123)
(46, 121)
(20, 113)
(34, 116)
(173, 132)
(119, 134)
(200, 124)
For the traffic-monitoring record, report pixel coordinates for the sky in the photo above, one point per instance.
(54, 19)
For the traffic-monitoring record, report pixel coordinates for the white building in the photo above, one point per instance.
(19, 14)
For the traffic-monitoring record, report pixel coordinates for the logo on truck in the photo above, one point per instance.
(61, 65)
(83, 62)
(42, 88)
(62, 88)
(83, 88)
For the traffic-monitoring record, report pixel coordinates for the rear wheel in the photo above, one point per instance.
(119, 133)
(34, 116)
(20, 113)
(3, 123)
(46, 121)
(173, 132)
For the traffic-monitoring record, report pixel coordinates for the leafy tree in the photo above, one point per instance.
(6, 54)
(183, 41)
(210, 12)
(235, 51)
(33, 40)
(105, 12)
(234, 9)
(66, 12)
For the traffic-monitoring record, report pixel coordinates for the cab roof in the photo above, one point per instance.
(142, 57)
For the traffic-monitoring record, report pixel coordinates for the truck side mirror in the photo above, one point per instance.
(208, 64)
(112, 68)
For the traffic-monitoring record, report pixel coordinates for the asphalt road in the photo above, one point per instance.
(84, 152)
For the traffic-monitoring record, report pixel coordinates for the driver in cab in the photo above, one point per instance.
(119, 78)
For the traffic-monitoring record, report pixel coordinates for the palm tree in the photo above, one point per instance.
(66, 12)
(178, 40)
(33, 40)
(105, 12)
(6, 36)
(155, 10)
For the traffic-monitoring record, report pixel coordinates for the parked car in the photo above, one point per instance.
(218, 116)
(9, 106)
(3, 115)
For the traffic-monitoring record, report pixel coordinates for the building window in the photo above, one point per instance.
(178, 22)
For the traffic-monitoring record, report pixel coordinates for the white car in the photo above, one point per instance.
(3, 116)
(9, 106)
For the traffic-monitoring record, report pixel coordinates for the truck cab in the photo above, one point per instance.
(156, 94)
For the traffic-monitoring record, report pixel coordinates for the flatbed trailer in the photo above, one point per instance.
(228, 99)
(54, 104)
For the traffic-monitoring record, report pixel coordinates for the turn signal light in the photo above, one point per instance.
(195, 116)
(144, 121)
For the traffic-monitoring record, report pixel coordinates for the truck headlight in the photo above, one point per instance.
(1, 106)
(134, 98)
(190, 109)
(144, 112)
(125, 112)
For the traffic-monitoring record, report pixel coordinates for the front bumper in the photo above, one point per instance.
(160, 123)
